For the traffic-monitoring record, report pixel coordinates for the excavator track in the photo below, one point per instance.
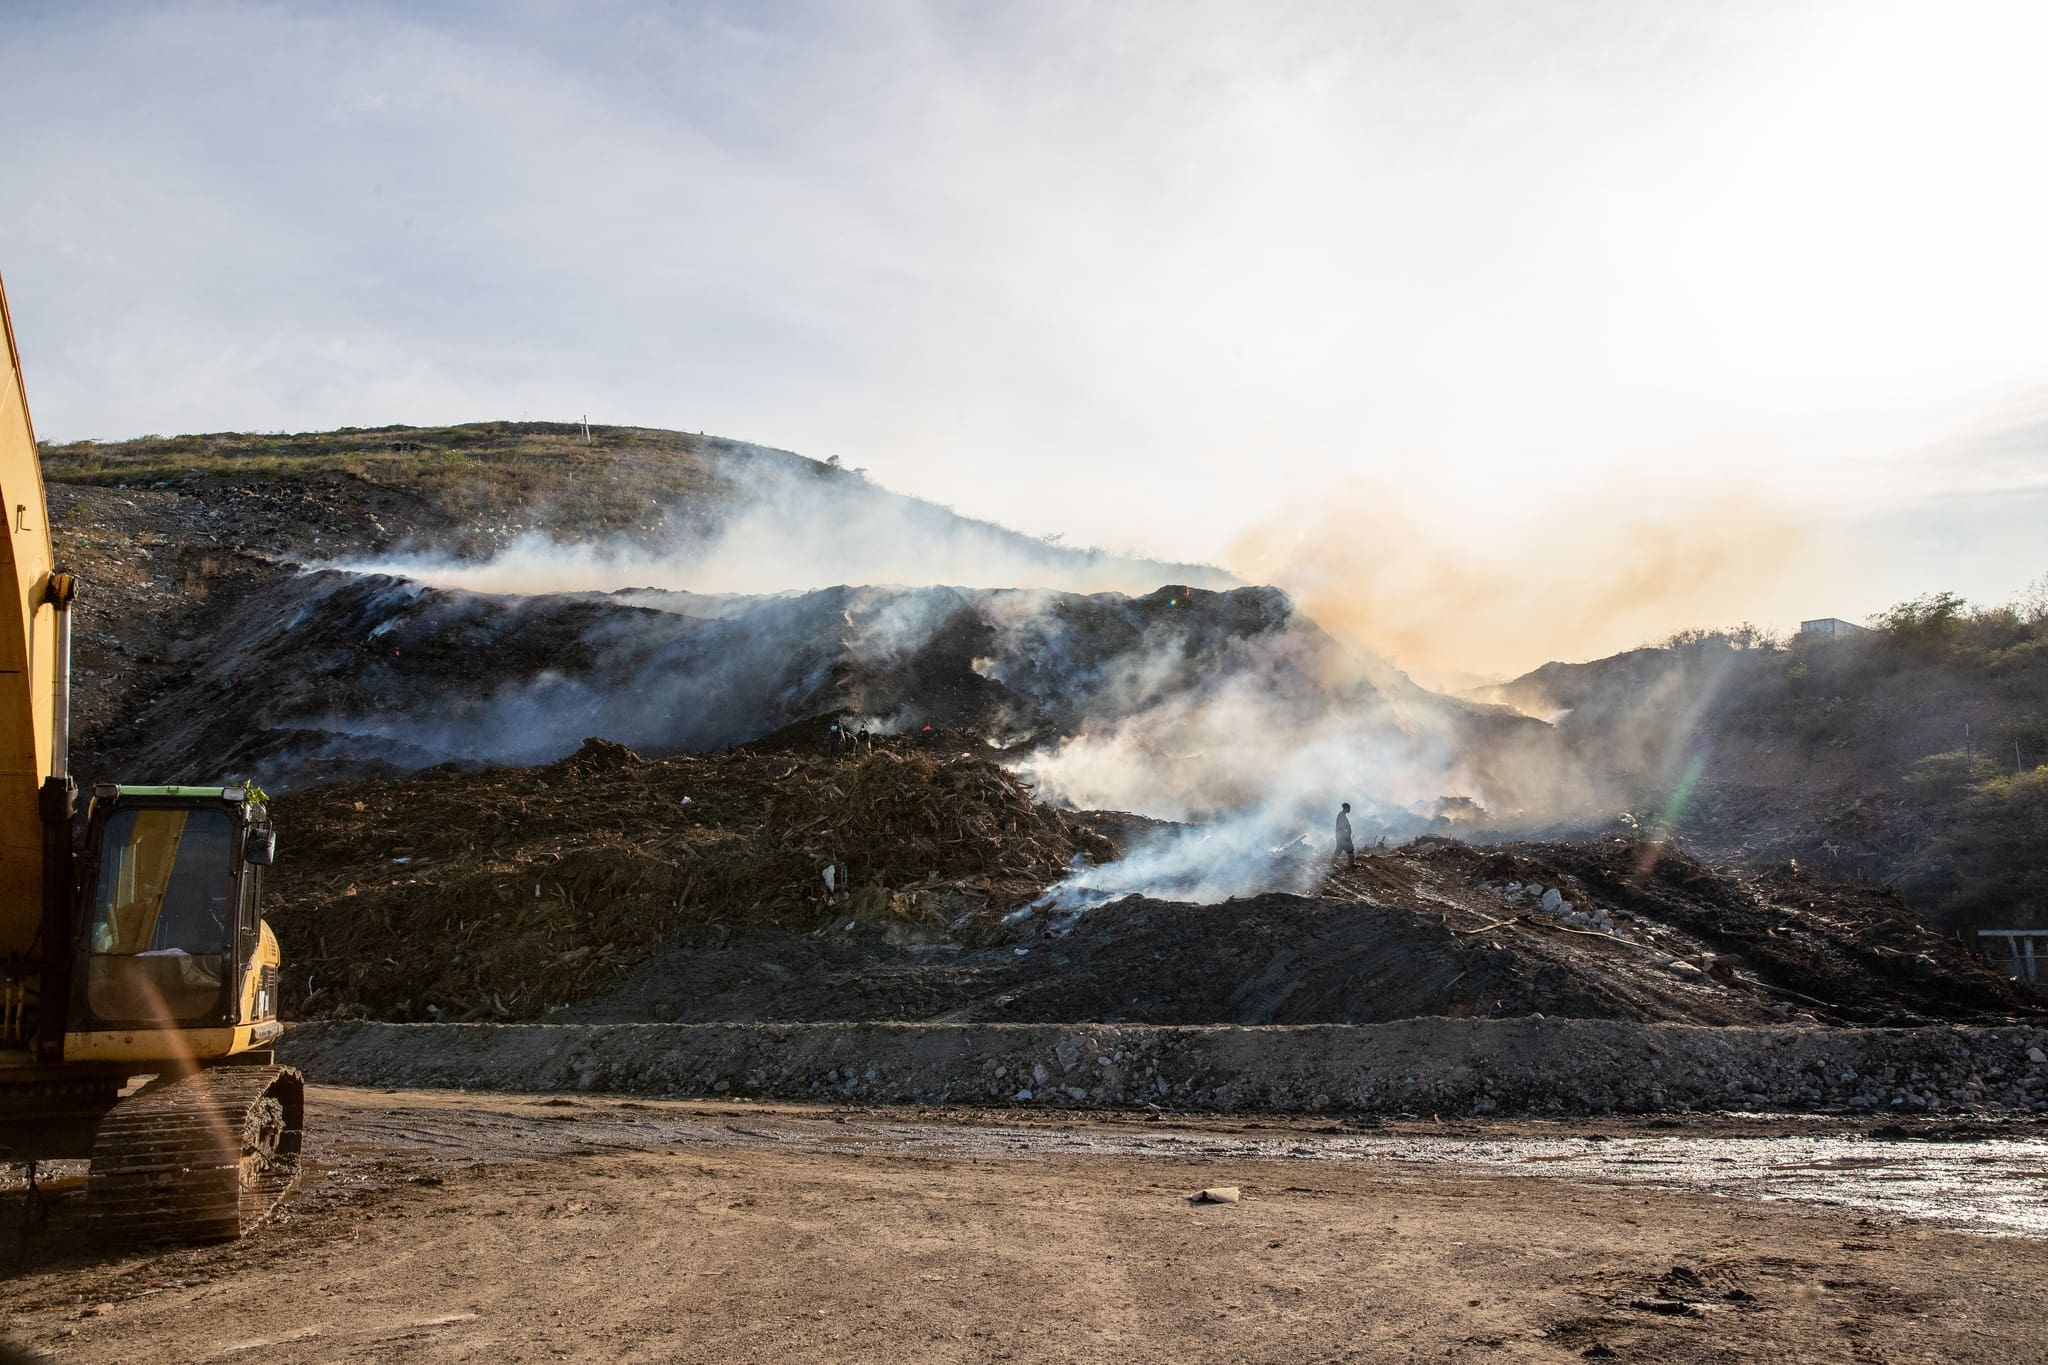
(202, 1157)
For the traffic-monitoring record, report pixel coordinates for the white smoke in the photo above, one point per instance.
(1254, 778)
(787, 525)
(1231, 714)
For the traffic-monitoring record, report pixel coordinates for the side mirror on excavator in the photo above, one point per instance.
(259, 847)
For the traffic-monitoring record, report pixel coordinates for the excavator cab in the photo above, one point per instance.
(171, 954)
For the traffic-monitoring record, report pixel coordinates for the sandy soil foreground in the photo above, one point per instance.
(436, 1226)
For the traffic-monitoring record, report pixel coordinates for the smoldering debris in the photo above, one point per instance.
(698, 888)
(1180, 704)
(500, 894)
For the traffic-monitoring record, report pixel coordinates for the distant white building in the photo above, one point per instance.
(1829, 625)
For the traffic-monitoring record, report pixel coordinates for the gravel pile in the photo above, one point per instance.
(1420, 1066)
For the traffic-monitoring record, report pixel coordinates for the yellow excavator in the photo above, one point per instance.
(138, 981)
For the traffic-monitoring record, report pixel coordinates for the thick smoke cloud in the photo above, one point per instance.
(1253, 767)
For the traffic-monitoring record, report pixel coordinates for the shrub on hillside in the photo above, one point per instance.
(1999, 851)
(1947, 779)
(1746, 636)
(1995, 638)
(1929, 623)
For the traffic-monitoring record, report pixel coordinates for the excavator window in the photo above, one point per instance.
(161, 936)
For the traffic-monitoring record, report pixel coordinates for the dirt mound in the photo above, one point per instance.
(1688, 941)
(900, 884)
(500, 894)
(1859, 949)
(1272, 959)
(1432, 929)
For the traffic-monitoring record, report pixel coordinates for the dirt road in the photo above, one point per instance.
(435, 1226)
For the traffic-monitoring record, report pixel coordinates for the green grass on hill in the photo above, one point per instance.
(475, 471)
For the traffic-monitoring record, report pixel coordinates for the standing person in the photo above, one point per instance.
(1344, 836)
(865, 743)
(834, 739)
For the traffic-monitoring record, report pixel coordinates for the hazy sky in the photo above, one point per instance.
(1499, 277)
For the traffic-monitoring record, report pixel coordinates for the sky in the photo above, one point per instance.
(1612, 316)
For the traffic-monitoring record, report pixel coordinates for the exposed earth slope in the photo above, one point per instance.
(1911, 755)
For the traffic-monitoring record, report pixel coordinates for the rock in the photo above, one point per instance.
(1023, 1094)
(2036, 1056)
(1219, 1194)
(1068, 1053)
(1551, 900)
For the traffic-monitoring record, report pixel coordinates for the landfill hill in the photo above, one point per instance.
(904, 883)
(1912, 755)
(207, 647)
(184, 544)
(212, 646)
(470, 490)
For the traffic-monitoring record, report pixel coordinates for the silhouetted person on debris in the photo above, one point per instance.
(1344, 847)
(836, 740)
(865, 741)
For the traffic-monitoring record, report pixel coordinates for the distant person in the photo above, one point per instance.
(835, 739)
(1344, 847)
(865, 741)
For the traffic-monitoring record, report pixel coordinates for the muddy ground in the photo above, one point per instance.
(447, 1227)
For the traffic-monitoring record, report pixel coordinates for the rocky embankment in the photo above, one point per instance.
(1417, 1066)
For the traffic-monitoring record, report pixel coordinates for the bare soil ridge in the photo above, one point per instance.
(1450, 1066)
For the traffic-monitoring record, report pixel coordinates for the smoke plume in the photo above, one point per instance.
(789, 525)
(1232, 714)
(1603, 574)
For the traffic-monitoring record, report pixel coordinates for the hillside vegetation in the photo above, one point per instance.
(463, 487)
(1911, 754)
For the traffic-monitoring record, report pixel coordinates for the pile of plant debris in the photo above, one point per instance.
(1839, 954)
(497, 895)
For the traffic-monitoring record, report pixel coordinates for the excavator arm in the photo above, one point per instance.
(28, 662)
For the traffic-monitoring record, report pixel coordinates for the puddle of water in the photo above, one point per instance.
(1991, 1186)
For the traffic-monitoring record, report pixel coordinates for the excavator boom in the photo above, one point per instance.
(28, 648)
